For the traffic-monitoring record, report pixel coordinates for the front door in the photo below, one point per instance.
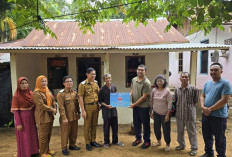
(84, 63)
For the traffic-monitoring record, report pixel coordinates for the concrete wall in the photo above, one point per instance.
(215, 37)
(156, 64)
(33, 65)
(27, 65)
(173, 67)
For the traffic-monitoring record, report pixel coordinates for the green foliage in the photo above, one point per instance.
(203, 14)
(24, 11)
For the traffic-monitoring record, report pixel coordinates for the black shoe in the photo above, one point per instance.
(95, 144)
(35, 155)
(65, 152)
(88, 147)
(207, 155)
(136, 142)
(178, 148)
(145, 145)
(74, 148)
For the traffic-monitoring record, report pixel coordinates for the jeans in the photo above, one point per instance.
(141, 117)
(214, 126)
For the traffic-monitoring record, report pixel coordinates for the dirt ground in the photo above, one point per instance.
(8, 143)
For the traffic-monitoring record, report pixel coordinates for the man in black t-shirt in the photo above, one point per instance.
(109, 113)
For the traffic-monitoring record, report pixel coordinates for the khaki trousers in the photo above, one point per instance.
(68, 133)
(45, 133)
(90, 123)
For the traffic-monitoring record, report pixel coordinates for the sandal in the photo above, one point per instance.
(193, 153)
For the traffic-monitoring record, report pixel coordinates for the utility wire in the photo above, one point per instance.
(53, 17)
(94, 10)
(37, 8)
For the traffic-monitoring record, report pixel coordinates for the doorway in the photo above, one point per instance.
(84, 63)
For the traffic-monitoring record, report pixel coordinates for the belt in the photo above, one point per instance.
(93, 103)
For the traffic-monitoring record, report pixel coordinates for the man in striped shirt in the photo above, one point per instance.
(186, 97)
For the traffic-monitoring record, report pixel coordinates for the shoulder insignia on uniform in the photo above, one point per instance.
(62, 90)
(95, 81)
(83, 82)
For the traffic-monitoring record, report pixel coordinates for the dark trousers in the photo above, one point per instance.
(113, 123)
(141, 117)
(214, 126)
(158, 121)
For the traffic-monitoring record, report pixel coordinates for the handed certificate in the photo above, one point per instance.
(120, 99)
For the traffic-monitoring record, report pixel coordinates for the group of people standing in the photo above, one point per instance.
(39, 107)
(213, 102)
(160, 99)
(31, 109)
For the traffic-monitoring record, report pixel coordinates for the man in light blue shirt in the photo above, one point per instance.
(214, 98)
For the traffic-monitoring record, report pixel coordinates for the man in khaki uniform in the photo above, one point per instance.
(67, 99)
(88, 99)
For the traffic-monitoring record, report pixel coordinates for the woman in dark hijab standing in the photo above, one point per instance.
(23, 108)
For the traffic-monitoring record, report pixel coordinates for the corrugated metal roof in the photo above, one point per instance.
(178, 46)
(4, 57)
(154, 48)
(107, 34)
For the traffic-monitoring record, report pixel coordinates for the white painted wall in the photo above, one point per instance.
(216, 36)
(33, 65)
(173, 67)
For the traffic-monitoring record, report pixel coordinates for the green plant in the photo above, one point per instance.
(8, 124)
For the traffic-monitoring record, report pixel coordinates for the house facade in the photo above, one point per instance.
(180, 61)
(114, 48)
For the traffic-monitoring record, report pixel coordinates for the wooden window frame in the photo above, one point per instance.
(206, 41)
(100, 72)
(127, 70)
(48, 70)
(180, 62)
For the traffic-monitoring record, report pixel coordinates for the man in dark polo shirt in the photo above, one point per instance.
(140, 92)
(109, 113)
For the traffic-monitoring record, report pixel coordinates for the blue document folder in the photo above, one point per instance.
(120, 99)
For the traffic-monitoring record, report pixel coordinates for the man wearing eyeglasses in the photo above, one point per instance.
(67, 99)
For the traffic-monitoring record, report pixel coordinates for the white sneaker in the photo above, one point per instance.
(106, 146)
(167, 148)
(157, 144)
(120, 144)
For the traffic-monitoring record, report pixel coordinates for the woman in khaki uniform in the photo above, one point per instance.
(44, 114)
